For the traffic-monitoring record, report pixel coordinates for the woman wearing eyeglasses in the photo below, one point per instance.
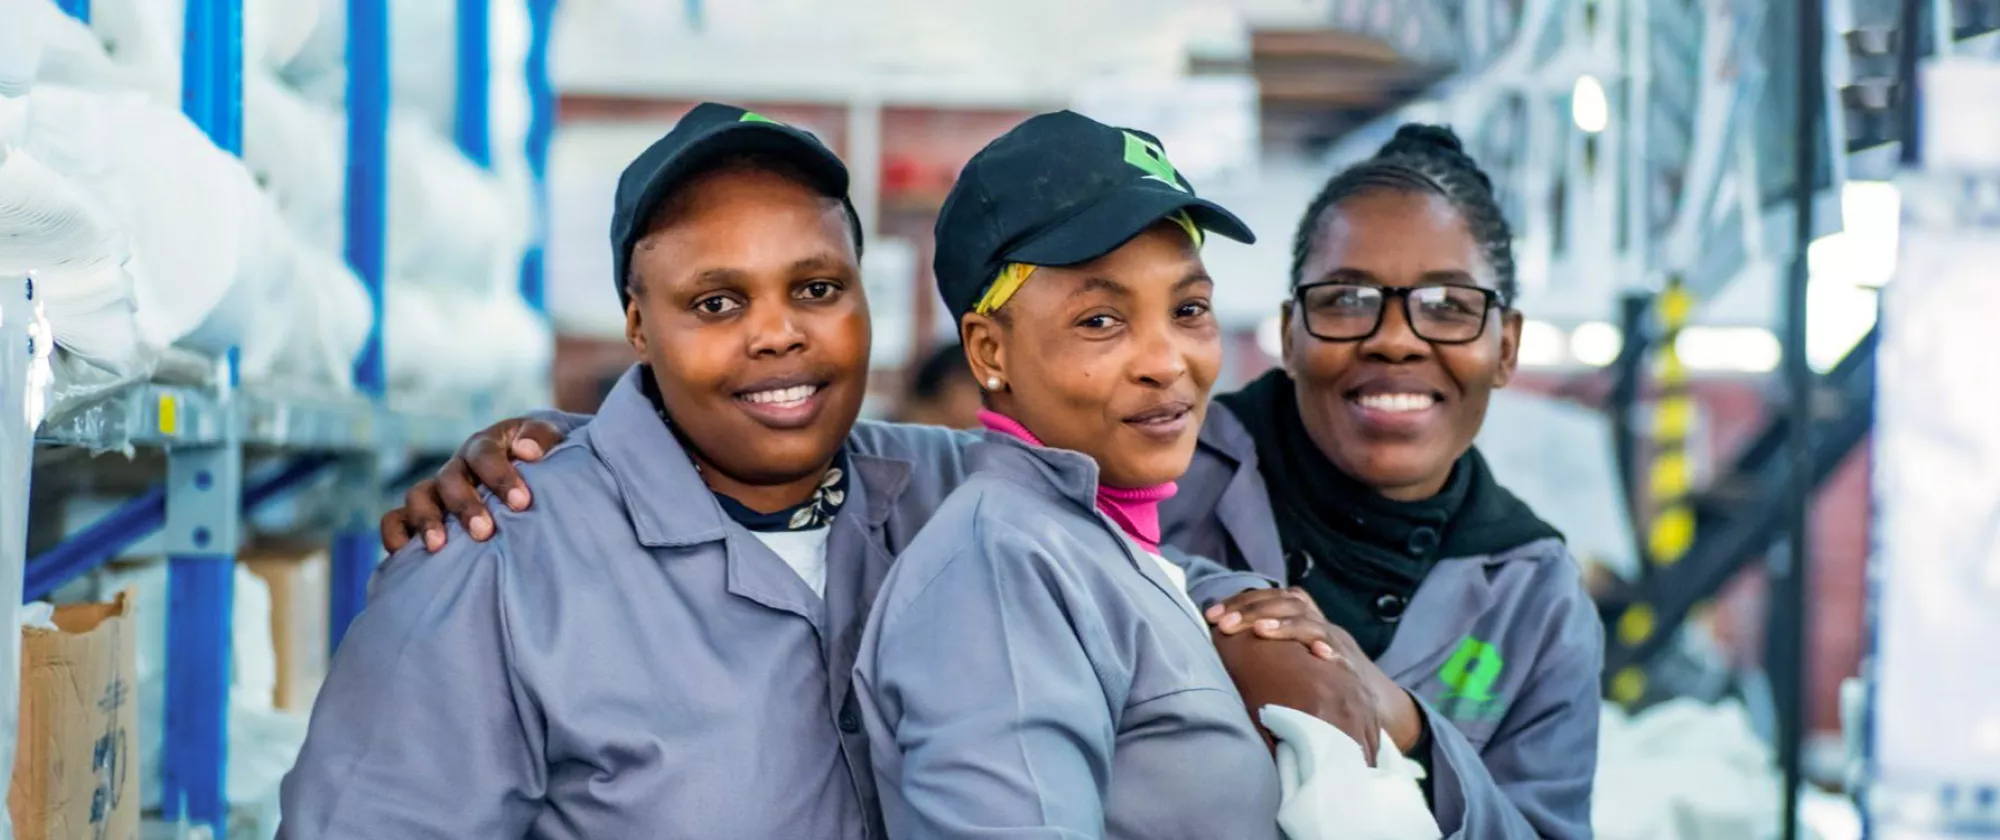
(1350, 473)
(1469, 616)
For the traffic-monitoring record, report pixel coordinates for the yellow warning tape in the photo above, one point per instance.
(1671, 531)
(1670, 478)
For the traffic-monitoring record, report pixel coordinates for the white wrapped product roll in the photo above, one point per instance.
(53, 229)
(180, 198)
(450, 223)
(20, 47)
(295, 148)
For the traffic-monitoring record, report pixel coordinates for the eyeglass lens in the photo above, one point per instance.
(1338, 311)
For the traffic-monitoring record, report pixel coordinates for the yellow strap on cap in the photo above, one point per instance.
(1013, 275)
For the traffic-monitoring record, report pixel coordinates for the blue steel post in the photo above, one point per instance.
(472, 121)
(355, 548)
(541, 125)
(203, 485)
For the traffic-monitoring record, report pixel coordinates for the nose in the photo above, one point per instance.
(774, 329)
(1160, 357)
(1395, 341)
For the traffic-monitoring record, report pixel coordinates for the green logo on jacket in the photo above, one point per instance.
(1468, 677)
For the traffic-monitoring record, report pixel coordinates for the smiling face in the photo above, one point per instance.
(747, 304)
(1112, 358)
(1393, 410)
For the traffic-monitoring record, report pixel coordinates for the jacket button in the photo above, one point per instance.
(1389, 607)
(850, 723)
(1423, 541)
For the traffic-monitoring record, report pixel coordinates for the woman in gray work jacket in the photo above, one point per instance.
(1351, 474)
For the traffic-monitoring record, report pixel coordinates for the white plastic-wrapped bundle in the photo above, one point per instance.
(295, 148)
(70, 54)
(148, 36)
(296, 314)
(1683, 770)
(181, 200)
(450, 223)
(452, 342)
(20, 47)
(51, 228)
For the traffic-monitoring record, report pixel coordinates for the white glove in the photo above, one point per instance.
(1330, 792)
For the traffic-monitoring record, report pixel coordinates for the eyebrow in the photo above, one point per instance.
(1108, 285)
(1095, 283)
(726, 276)
(1428, 278)
(819, 262)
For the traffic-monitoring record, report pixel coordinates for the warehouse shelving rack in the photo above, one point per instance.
(204, 430)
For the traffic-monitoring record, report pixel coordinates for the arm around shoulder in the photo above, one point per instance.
(423, 729)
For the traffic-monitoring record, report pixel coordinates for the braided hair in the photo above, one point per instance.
(1426, 159)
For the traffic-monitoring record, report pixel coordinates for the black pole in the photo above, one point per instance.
(1909, 47)
(1627, 373)
(1786, 637)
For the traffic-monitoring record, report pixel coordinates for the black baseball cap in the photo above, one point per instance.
(705, 136)
(1059, 189)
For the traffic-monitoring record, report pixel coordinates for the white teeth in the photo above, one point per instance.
(783, 396)
(1397, 403)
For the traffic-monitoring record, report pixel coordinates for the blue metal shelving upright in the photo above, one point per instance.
(204, 482)
(541, 127)
(356, 548)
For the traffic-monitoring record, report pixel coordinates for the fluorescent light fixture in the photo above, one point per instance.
(1730, 349)
(1863, 252)
(1588, 105)
(1837, 316)
(1541, 344)
(1596, 343)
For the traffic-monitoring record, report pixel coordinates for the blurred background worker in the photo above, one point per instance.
(289, 263)
(942, 392)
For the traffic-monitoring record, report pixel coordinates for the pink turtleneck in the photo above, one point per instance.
(1135, 509)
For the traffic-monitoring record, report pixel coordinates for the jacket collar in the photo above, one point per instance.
(664, 496)
(1059, 473)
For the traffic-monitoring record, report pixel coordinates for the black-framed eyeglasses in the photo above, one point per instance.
(1440, 313)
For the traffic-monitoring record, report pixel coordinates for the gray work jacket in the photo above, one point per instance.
(1029, 673)
(620, 660)
(1503, 652)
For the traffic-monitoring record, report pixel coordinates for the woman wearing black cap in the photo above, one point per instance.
(1034, 664)
(1467, 619)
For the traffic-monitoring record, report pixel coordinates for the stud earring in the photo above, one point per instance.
(993, 383)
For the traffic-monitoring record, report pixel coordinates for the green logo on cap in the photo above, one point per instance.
(753, 116)
(1152, 160)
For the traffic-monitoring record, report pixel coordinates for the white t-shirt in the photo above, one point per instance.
(804, 551)
(1178, 578)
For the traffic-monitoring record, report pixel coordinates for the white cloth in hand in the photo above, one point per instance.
(1330, 792)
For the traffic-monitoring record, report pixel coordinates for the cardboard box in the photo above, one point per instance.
(299, 605)
(75, 773)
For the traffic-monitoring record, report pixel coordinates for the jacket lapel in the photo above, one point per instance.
(1446, 607)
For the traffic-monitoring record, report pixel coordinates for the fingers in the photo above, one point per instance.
(1253, 609)
(488, 462)
(395, 531)
(533, 439)
(423, 513)
(460, 496)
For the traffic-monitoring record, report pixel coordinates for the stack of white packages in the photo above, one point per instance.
(148, 236)
(454, 320)
(56, 229)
